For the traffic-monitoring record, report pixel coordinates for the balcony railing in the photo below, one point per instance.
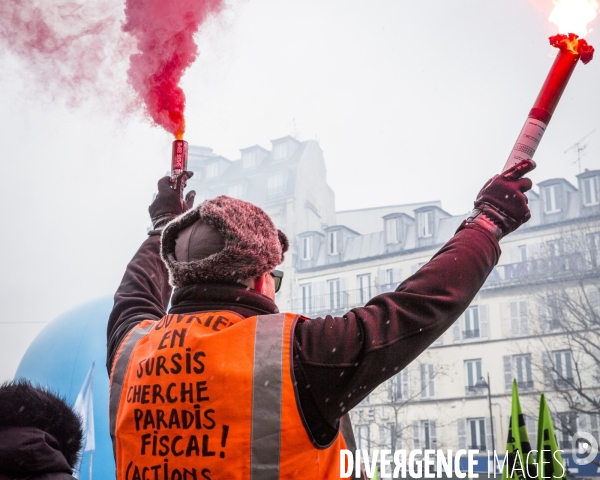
(550, 267)
(474, 333)
(563, 382)
(472, 390)
(481, 447)
(525, 385)
(388, 287)
(332, 303)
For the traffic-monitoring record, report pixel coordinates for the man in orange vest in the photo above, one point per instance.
(223, 386)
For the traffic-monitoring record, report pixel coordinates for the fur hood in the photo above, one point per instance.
(24, 406)
(252, 244)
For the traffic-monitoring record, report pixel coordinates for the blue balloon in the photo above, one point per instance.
(60, 358)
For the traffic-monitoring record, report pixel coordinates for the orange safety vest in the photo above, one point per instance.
(211, 396)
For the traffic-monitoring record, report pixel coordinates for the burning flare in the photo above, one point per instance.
(571, 49)
(574, 16)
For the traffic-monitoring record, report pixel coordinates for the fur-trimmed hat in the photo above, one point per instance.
(241, 242)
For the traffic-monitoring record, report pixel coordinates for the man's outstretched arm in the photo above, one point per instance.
(144, 291)
(339, 360)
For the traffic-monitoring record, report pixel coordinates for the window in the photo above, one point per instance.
(427, 371)
(306, 248)
(393, 230)
(389, 276)
(563, 368)
(389, 279)
(552, 312)
(518, 367)
(567, 426)
(334, 294)
(332, 242)
(425, 224)
(554, 248)
(280, 151)
(398, 387)
(476, 433)
(519, 320)
(424, 435)
(389, 438)
(306, 294)
(471, 328)
(472, 325)
(593, 240)
(236, 191)
(275, 185)
(593, 298)
(522, 253)
(472, 375)
(364, 288)
(522, 369)
(552, 199)
(362, 437)
(212, 170)
(249, 159)
(591, 191)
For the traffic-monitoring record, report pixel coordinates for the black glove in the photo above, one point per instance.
(169, 203)
(501, 205)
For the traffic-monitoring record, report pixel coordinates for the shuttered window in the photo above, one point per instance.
(519, 319)
(427, 371)
(398, 387)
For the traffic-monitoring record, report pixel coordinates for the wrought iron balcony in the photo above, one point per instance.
(563, 382)
(474, 333)
(481, 447)
(525, 385)
(333, 303)
(472, 390)
(561, 266)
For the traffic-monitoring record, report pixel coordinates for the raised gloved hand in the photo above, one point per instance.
(501, 205)
(169, 204)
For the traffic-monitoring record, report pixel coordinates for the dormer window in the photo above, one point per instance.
(275, 185)
(280, 151)
(393, 230)
(425, 224)
(552, 203)
(306, 248)
(332, 242)
(212, 170)
(591, 191)
(249, 159)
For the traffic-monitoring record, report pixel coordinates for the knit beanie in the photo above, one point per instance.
(222, 240)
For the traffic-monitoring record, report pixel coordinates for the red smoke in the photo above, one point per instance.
(65, 44)
(164, 30)
(74, 48)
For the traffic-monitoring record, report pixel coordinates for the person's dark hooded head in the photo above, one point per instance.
(24, 406)
(222, 240)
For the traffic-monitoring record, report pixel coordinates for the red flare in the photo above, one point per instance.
(571, 49)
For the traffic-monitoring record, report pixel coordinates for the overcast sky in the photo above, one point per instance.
(410, 101)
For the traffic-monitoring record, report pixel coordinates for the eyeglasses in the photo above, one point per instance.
(278, 278)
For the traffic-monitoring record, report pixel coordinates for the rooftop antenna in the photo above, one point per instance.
(579, 147)
(294, 131)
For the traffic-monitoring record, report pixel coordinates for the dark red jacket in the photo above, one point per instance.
(338, 361)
